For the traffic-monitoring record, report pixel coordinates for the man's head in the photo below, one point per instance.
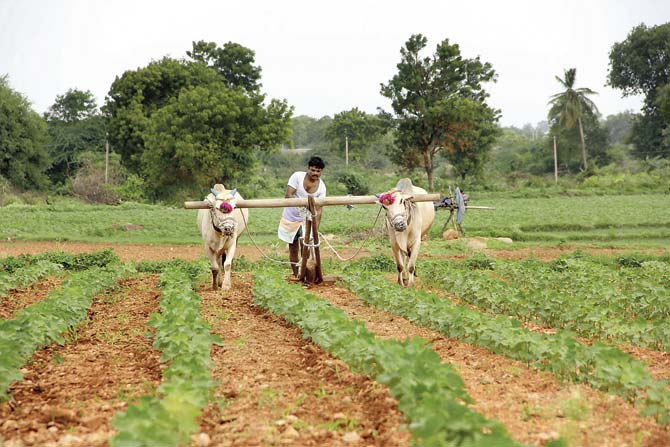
(315, 166)
(317, 162)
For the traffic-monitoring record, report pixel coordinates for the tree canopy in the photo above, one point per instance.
(572, 106)
(440, 104)
(23, 155)
(641, 65)
(74, 126)
(198, 121)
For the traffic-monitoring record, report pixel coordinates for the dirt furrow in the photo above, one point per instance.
(533, 405)
(274, 387)
(70, 393)
(17, 299)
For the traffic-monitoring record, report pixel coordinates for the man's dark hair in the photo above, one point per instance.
(317, 162)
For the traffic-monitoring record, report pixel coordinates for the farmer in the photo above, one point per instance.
(300, 184)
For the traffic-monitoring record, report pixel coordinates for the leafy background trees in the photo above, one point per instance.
(177, 125)
(641, 65)
(23, 158)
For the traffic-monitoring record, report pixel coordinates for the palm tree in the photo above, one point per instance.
(571, 105)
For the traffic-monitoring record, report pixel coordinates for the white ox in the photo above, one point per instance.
(407, 222)
(220, 227)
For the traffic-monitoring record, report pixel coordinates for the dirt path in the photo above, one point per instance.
(533, 405)
(70, 393)
(276, 388)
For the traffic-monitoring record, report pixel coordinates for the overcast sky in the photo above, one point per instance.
(324, 57)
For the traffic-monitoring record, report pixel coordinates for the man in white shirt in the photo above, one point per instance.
(300, 184)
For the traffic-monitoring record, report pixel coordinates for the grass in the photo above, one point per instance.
(610, 221)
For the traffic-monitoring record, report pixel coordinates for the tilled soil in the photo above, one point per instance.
(273, 387)
(533, 405)
(17, 299)
(70, 393)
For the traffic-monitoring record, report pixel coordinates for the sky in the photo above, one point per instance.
(325, 57)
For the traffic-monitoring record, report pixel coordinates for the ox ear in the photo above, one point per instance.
(213, 191)
(233, 192)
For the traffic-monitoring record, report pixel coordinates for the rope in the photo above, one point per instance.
(259, 249)
(359, 248)
(312, 245)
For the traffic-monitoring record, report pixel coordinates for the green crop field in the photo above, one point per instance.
(618, 221)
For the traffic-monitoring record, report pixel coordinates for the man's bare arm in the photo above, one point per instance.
(290, 191)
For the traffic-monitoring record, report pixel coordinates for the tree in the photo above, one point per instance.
(74, 105)
(74, 126)
(151, 125)
(23, 155)
(641, 65)
(208, 135)
(361, 130)
(234, 63)
(137, 94)
(571, 106)
(439, 103)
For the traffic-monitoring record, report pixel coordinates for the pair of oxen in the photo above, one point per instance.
(223, 223)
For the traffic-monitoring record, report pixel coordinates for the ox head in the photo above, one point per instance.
(223, 204)
(396, 204)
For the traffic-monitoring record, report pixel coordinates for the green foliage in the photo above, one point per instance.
(379, 262)
(430, 393)
(639, 65)
(233, 61)
(24, 157)
(361, 130)
(480, 262)
(440, 104)
(44, 322)
(68, 261)
(208, 135)
(309, 132)
(26, 275)
(354, 182)
(601, 366)
(571, 107)
(74, 127)
(184, 340)
(184, 125)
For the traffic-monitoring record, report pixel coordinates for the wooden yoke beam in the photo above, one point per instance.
(319, 201)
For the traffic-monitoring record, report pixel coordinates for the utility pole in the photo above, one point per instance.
(346, 150)
(106, 160)
(555, 163)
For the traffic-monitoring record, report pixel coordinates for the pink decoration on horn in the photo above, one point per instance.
(386, 199)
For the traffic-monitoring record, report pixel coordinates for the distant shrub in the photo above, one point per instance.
(355, 183)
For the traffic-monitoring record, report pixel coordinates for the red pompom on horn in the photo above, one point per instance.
(226, 207)
(386, 199)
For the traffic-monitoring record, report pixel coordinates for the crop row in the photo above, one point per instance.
(590, 299)
(429, 393)
(602, 367)
(185, 341)
(45, 322)
(27, 275)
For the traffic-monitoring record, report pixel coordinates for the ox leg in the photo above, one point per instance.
(227, 259)
(411, 263)
(399, 262)
(215, 267)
